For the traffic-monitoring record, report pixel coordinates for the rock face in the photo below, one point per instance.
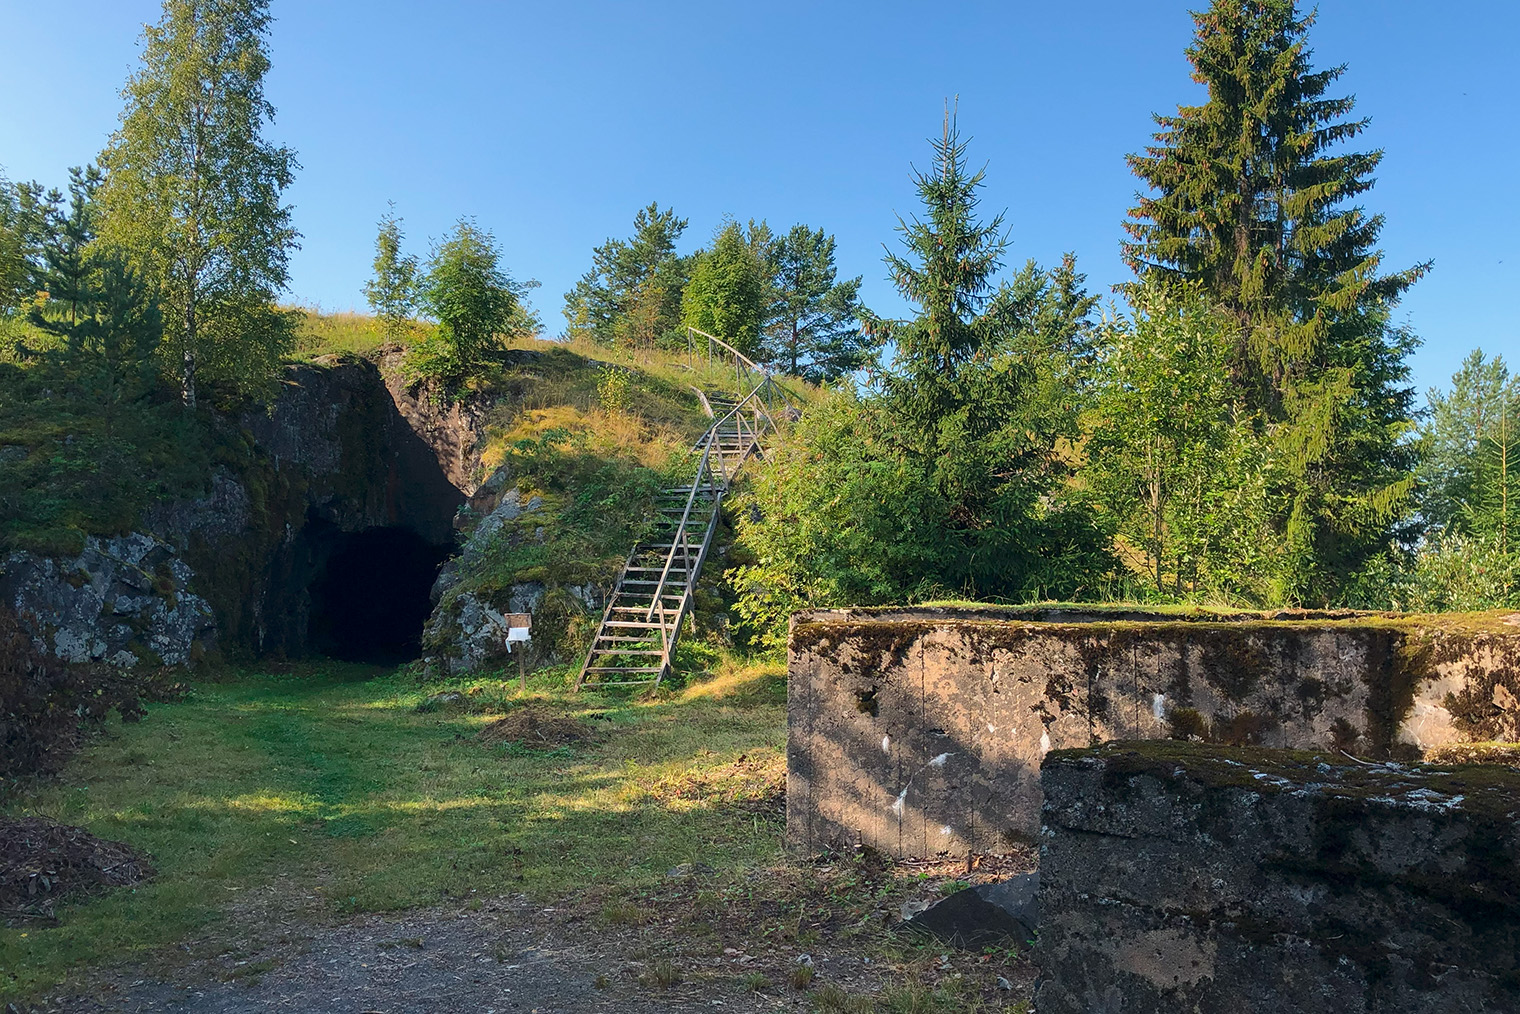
(921, 731)
(1178, 877)
(467, 631)
(337, 452)
(124, 600)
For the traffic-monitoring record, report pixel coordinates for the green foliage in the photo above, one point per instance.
(1172, 456)
(836, 518)
(1251, 202)
(812, 328)
(392, 292)
(592, 509)
(24, 214)
(192, 191)
(74, 465)
(726, 295)
(612, 388)
(947, 480)
(1457, 572)
(478, 306)
(631, 297)
(104, 315)
(1458, 439)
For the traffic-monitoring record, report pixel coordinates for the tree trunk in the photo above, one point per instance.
(187, 378)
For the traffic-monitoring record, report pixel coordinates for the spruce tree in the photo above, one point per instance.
(192, 191)
(957, 401)
(1253, 198)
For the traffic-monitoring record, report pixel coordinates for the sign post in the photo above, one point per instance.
(518, 627)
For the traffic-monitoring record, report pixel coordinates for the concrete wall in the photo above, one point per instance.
(921, 732)
(1178, 877)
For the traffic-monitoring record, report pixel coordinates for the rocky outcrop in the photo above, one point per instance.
(468, 627)
(124, 600)
(1178, 877)
(333, 453)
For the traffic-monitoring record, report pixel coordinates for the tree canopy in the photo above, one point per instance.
(192, 191)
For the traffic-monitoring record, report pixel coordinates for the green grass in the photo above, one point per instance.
(334, 783)
(320, 334)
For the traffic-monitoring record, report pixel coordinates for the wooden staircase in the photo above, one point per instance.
(635, 643)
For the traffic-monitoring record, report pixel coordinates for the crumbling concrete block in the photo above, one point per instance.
(1186, 877)
(920, 731)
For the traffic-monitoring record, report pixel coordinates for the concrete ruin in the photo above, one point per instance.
(1185, 877)
(920, 732)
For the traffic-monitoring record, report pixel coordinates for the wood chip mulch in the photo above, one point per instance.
(42, 861)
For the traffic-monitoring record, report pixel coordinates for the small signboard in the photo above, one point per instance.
(518, 626)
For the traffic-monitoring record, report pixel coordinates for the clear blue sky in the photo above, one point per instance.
(552, 123)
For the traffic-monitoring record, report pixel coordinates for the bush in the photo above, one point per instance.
(45, 705)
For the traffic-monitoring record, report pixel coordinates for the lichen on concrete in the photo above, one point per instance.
(996, 688)
(1179, 876)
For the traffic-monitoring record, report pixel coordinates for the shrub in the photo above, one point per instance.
(45, 704)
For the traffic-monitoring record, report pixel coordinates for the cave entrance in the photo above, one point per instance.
(371, 597)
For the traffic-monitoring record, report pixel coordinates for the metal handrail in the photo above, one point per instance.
(751, 418)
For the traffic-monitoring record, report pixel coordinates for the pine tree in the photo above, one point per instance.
(632, 294)
(192, 191)
(1252, 199)
(68, 275)
(812, 328)
(392, 292)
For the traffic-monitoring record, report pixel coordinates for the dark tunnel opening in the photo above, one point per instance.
(371, 598)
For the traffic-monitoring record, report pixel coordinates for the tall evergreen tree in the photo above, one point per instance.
(192, 191)
(957, 397)
(1253, 199)
(67, 272)
(812, 328)
(632, 294)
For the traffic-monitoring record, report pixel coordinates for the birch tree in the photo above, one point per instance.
(193, 191)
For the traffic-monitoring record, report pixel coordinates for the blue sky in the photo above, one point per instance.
(552, 123)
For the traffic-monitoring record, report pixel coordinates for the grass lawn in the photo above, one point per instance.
(328, 776)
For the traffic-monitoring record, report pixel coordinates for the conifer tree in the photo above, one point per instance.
(67, 272)
(812, 328)
(632, 294)
(1253, 199)
(192, 190)
(957, 399)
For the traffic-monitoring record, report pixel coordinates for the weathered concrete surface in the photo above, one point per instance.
(1183, 877)
(921, 732)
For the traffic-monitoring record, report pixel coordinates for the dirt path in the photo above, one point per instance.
(513, 956)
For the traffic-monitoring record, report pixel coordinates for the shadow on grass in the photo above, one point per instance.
(325, 786)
